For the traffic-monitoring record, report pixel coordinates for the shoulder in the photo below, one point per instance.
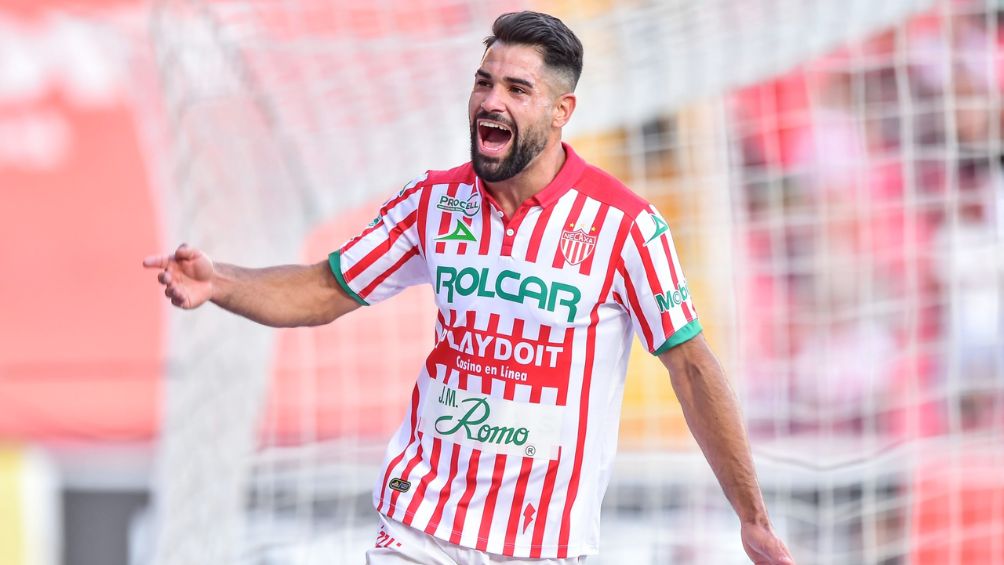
(420, 187)
(646, 221)
(604, 187)
(460, 174)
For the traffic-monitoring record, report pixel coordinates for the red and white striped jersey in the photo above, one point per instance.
(509, 438)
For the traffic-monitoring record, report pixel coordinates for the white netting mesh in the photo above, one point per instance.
(831, 171)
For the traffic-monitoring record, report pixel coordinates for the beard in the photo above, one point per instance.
(523, 150)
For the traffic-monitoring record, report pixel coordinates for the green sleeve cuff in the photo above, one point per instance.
(686, 333)
(335, 262)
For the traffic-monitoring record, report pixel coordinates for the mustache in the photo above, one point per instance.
(495, 117)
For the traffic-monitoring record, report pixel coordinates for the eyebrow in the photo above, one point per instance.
(485, 74)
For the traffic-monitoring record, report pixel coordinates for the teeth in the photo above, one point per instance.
(496, 126)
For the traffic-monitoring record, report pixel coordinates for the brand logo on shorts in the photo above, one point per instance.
(400, 485)
(469, 207)
(577, 245)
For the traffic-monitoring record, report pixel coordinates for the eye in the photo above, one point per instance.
(482, 83)
(517, 90)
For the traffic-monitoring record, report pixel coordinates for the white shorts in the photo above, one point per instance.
(398, 544)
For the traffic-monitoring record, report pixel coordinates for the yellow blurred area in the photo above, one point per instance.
(12, 532)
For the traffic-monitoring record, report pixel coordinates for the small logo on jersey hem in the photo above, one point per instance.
(661, 227)
(400, 485)
(577, 245)
(460, 233)
(528, 512)
(469, 207)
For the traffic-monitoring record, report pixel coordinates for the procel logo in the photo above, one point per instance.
(469, 207)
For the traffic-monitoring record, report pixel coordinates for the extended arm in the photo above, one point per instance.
(713, 415)
(283, 296)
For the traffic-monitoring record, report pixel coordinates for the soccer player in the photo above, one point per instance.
(542, 266)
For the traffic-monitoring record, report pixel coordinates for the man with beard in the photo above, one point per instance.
(542, 265)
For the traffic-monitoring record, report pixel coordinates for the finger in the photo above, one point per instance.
(177, 297)
(164, 277)
(157, 261)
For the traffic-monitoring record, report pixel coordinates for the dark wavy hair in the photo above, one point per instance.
(562, 51)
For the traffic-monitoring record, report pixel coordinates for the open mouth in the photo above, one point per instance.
(493, 137)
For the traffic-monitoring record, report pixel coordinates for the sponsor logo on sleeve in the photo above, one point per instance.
(661, 227)
(672, 298)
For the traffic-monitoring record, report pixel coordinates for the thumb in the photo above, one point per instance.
(185, 251)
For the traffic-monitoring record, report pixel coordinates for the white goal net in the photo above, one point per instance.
(832, 173)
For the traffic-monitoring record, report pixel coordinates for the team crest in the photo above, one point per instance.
(577, 245)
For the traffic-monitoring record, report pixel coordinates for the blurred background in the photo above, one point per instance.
(831, 170)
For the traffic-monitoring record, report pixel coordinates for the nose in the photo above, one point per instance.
(492, 102)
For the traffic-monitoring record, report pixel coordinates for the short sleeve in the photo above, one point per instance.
(385, 258)
(649, 282)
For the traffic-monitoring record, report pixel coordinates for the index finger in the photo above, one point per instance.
(157, 261)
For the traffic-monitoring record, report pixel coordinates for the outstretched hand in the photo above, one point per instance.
(187, 276)
(763, 547)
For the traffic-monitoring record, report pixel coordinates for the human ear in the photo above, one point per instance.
(564, 106)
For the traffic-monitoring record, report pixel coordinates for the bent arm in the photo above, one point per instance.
(282, 296)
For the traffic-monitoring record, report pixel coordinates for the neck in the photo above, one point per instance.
(511, 193)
